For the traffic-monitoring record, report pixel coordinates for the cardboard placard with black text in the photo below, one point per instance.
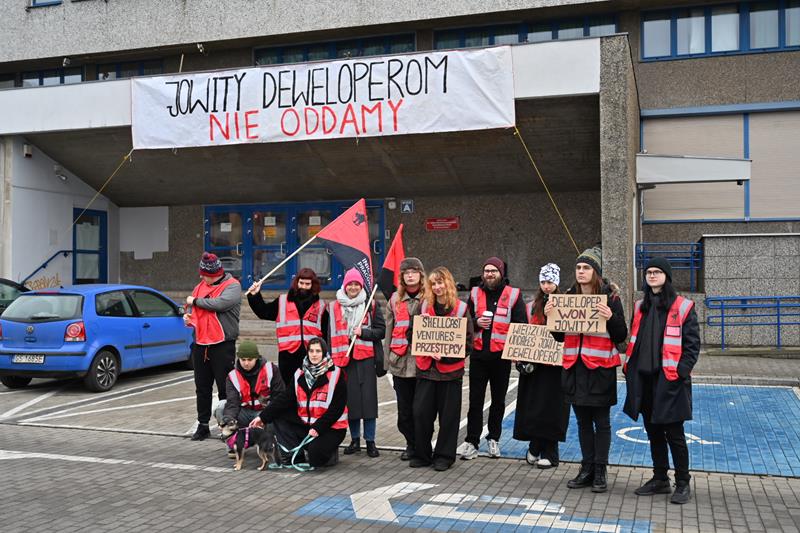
(439, 335)
(576, 313)
(531, 343)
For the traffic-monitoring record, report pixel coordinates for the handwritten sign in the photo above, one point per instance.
(575, 313)
(360, 97)
(531, 343)
(439, 335)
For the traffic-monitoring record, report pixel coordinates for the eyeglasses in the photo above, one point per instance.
(653, 272)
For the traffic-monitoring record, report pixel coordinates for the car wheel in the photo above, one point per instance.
(15, 382)
(103, 372)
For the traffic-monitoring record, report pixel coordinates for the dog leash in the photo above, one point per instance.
(300, 467)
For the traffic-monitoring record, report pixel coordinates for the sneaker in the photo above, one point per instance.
(654, 486)
(231, 453)
(494, 448)
(464, 448)
(469, 452)
(682, 493)
(531, 459)
(544, 463)
(202, 432)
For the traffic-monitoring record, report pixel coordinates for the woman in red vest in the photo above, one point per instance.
(589, 378)
(542, 415)
(664, 346)
(364, 362)
(438, 390)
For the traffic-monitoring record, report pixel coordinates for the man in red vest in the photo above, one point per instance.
(214, 314)
(494, 306)
(299, 316)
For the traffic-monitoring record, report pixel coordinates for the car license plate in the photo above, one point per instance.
(28, 358)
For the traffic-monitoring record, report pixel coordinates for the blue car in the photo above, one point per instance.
(91, 331)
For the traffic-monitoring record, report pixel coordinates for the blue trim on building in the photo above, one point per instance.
(746, 155)
(728, 109)
(718, 220)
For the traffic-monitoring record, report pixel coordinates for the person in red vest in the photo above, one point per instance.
(663, 349)
(315, 406)
(214, 314)
(542, 416)
(299, 316)
(589, 378)
(365, 362)
(493, 305)
(438, 391)
(403, 306)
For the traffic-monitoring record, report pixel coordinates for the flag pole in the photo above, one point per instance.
(366, 310)
(271, 272)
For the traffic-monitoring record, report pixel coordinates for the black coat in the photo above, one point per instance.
(362, 380)
(541, 412)
(672, 400)
(598, 387)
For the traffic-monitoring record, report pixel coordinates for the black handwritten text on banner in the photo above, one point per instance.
(576, 313)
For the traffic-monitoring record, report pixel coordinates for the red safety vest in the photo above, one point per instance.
(402, 321)
(671, 350)
(311, 409)
(288, 329)
(424, 362)
(532, 318)
(207, 327)
(258, 400)
(340, 341)
(501, 320)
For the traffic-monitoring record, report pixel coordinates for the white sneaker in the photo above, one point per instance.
(467, 451)
(494, 448)
(531, 459)
(544, 463)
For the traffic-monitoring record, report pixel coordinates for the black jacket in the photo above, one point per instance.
(519, 315)
(672, 400)
(233, 403)
(269, 311)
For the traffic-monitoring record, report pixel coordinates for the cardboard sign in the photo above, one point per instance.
(575, 313)
(439, 335)
(531, 343)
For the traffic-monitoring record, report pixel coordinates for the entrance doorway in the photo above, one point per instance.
(251, 240)
(89, 247)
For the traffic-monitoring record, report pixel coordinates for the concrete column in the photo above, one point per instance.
(6, 152)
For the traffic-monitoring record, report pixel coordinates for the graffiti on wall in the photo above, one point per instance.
(44, 282)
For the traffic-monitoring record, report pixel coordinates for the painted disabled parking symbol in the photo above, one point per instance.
(457, 511)
(625, 433)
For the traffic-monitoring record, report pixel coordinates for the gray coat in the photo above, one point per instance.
(227, 306)
(403, 366)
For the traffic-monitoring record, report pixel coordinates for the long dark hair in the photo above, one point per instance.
(306, 273)
(597, 284)
(538, 303)
(668, 296)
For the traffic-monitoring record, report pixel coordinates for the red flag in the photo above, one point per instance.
(348, 238)
(389, 279)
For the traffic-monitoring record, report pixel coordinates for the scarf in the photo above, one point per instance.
(352, 309)
(313, 372)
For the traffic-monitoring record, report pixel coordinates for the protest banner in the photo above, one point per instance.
(575, 313)
(439, 335)
(531, 343)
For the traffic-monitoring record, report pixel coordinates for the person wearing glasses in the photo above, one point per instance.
(663, 349)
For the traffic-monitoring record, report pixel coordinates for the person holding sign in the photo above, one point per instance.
(439, 378)
(590, 378)
(299, 316)
(663, 349)
(349, 318)
(493, 305)
(403, 306)
(542, 415)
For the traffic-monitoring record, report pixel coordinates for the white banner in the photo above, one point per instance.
(359, 97)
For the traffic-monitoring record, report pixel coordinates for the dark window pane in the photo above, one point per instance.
(6, 81)
(724, 28)
(266, 56)
(30, 79)
(448, 39)
(602, 26)
(348, 49)
(793, 23)
(655, 37)
(106, 72)
(476, 38)
(73, 75)
(112, 304)
(540, 32)
(764, 25)
(506, 35)
(400, 44)
(570, 29)
(374, 47)
(691, 31)
(294, 54)
(128, 70)
(151, 304)
(150, 68)
(51, 77)
(318, 52)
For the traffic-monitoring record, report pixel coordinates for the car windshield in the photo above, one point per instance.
(44, 307)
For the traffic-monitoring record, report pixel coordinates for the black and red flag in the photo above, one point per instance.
(389, 279)
(348, 238)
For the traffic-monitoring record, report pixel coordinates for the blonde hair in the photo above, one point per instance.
(450, 292)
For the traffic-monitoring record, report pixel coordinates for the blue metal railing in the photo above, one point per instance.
(44, 265)
(681, 256)
(775, 311)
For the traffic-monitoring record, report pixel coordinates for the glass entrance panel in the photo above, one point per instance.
(270, 245)
(224, 230)
(309, 222)
(376, 238)
(89, 247)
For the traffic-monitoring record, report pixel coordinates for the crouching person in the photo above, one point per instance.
(314, 406)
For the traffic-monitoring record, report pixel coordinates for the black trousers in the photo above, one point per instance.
(663, 436)
(546, 449)
(432, 399)
(319, 451)
(594, 433)
(496, 373)
(212, 363)
(404, 390)
(288, 363)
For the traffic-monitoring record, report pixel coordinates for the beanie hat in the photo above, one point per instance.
(411, 263)
(248, 350)
(550, 272)
(210, 265)
(592, 257)
(662, 264)
(498, 263)
(351, 276)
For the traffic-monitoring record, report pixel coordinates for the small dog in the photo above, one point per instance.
(263, 439)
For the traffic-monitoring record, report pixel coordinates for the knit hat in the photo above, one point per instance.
(497, 263)
(411, 263)
(662, 264)
(210, 265)
(550, 272)
(248, 350)
(351, 276)
(592, 257)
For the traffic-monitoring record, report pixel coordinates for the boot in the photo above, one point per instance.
(355, 446)
(202, 432)
(407, 454)
(600, 484)
(682, 493)
(584, 477)
(372, 450)
(334, 460)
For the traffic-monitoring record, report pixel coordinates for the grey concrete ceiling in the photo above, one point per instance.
(562, 133)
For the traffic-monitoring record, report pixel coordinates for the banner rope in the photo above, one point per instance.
(546, 188)
(99, 191)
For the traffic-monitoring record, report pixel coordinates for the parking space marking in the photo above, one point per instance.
(33, 401)
(108, 409)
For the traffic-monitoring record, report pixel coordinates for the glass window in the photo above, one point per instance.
(51, 77)
(506, 35)
(540, 32)
(294, 54)
(266, 56)
(476, 38)
(764, 25)
(37, 3)
(602, 26)
(128, 70)
(150, 68)
(793, 23)
(112, 303)
(317, 52)
(724, 28)
(151, 304)
(656, 35)
(44, 307)
(106, 72)
(73, 75)
(6, 81)
(448, 39)
(570, 29)
(403, 43)
(691, 31)
(30, 79)
(374, 47)
(348, 49)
